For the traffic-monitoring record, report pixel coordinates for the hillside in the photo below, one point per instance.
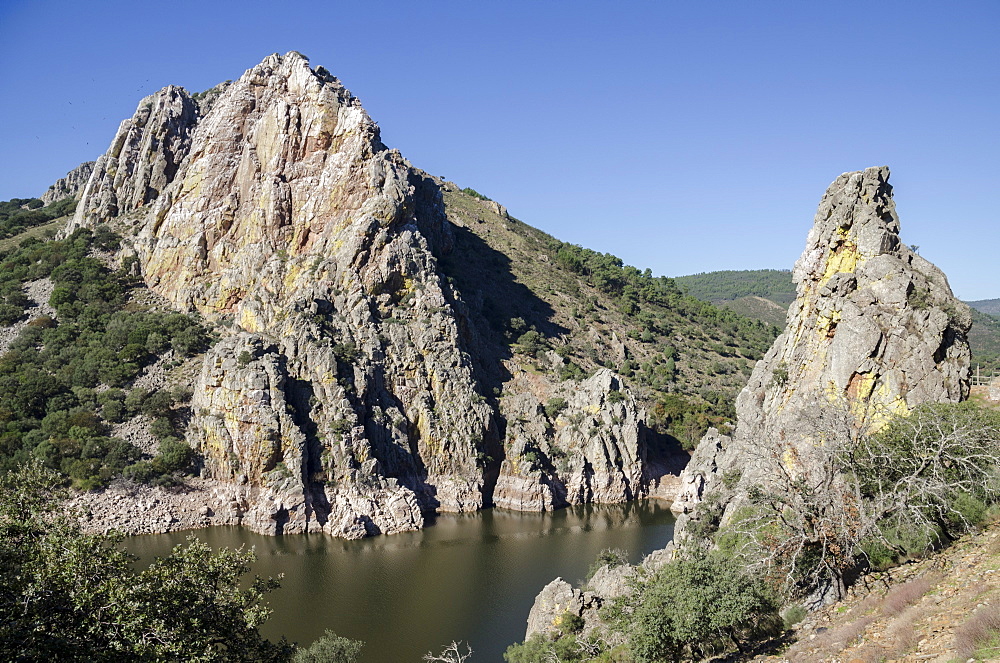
(764, 295)
(728, 285)
(942, 608)
(761, 294)
(679, 354)
(988, 306)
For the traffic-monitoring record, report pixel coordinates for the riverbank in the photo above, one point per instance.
(132, 508)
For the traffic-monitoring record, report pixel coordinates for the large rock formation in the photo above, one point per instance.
(577, 443)
(343, 396)
(874, 331)
(70, 186)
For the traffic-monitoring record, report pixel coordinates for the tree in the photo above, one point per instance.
(694, 607)
(450, 654)
(330, 648)
(888, 485)
(67, 595)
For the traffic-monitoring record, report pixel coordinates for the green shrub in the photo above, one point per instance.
(531, 343)
(613, 557)
(330, 648)
(541, 649)
(696, 607)
(554, 406)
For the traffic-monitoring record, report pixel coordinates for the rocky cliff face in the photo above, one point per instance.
(874, 331)
(70, 186)
(343, 396)
(584, 447)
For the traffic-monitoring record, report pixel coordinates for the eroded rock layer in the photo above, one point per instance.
(343, 396)
(874, 331)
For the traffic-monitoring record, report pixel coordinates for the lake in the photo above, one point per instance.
(470, 577)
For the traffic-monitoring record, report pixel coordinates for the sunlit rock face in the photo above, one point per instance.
(342, 396)
(874, 331)
(70, 186)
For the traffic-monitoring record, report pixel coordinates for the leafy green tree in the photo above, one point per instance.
(694, 607)
(71, 596)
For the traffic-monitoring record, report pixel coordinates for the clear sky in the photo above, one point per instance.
(680, 136)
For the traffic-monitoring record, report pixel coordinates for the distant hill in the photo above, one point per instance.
(764, 294)
(730, 285)
(988, 306)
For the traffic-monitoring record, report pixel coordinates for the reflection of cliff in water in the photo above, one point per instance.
(469, 577)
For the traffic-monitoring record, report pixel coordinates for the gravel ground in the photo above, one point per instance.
(39, 292)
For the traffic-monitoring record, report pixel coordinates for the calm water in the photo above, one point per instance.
(469, 577)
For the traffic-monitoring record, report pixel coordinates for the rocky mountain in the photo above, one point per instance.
(874, 331)
(391, 345)
(70, 186)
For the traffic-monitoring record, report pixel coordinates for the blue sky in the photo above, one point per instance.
(680, 136)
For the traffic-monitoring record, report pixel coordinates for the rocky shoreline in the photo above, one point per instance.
(131, 508)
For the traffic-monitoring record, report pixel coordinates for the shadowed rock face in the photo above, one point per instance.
(343, 397)
(874, 330)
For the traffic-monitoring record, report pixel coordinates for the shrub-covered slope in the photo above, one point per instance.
(70, 362)
(684, 357)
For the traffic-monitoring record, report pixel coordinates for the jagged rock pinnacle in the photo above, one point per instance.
(874, 330)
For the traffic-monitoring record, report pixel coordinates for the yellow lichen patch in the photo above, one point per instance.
(827, 322)
(885, 405)
(248, 321)
(193, 182)
(789, 459)
(843, 259)
(515, 464)
(593, 409)
(874, 404)
(294, 271)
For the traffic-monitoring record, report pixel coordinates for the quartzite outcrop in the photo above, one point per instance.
(344, 395)
(70, 186)
(874, 331)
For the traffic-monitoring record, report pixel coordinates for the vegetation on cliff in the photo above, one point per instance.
(65, 378)
(19, 214)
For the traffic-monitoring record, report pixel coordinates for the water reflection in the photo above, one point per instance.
(469, 577)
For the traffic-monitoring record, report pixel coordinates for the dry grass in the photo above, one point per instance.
(840, 637)
(903, 632)
(871, 653)
(905, 595)
(46, 229)
(980, 631)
